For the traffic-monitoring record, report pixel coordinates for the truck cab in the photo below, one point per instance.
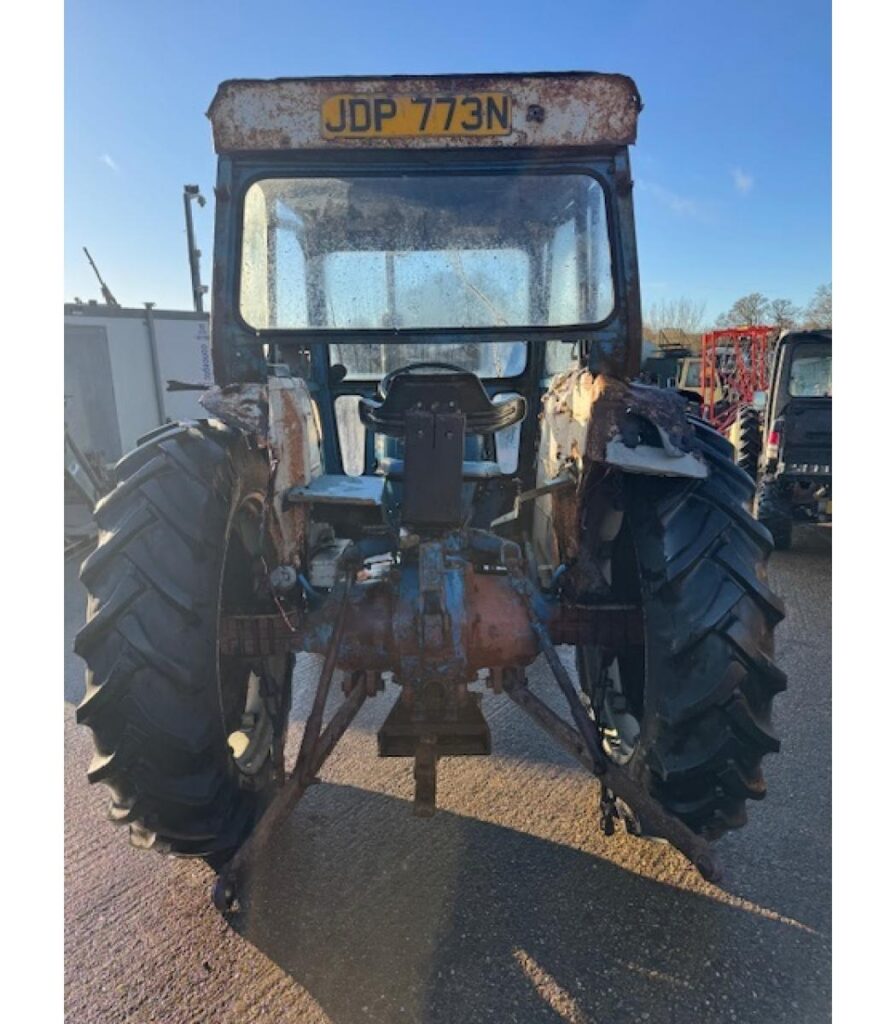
(794, 482)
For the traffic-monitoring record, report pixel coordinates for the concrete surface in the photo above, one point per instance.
(507, 906)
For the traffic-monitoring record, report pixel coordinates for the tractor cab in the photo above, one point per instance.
(481, 224)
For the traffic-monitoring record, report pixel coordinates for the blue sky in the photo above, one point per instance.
(732, 166)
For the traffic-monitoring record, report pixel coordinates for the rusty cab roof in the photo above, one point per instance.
(563, 109)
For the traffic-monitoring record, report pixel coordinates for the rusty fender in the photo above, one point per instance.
(606, 420)
(281, 417)
(601, 421)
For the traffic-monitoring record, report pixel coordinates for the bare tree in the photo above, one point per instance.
(820, 309)
(784, 314)
(681, 314)
(748, 310)
(675, 323)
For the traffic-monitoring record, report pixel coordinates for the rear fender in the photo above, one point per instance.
(279, 416)
(596, 420)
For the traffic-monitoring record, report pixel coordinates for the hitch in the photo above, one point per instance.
(436, 717)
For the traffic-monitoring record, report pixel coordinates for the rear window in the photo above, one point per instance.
(811, 372)
(426, 252)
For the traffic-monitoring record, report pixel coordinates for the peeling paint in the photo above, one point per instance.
(564, 109)
(584, 412)
(294, 438)
(598, 419)
(241, 406)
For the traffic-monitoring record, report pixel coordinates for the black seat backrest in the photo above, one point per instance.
(432, 413)
(440, 392)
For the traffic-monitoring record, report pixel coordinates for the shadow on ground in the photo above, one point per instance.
(384, 917)
(506, 906)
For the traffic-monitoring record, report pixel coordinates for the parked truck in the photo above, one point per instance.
(794, 482)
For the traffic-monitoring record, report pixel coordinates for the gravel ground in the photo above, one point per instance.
(509, 905)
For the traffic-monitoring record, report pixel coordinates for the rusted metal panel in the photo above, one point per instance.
(294, 438)
(281, 416)
(241, 406)
(599, 417)
(564, 109)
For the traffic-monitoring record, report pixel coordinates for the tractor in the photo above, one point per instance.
(426, 462)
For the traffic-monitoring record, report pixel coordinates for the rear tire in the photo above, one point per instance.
(746, 436)
(773, 511)
(696, 701)
(175, 539)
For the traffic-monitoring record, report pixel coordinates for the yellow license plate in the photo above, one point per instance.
(383, 117)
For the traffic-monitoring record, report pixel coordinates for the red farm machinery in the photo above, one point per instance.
(733, 384)
(735, 363)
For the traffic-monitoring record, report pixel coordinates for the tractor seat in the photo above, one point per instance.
(432, 408)
(456, 391)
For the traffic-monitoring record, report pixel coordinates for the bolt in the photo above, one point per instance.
(283, 579)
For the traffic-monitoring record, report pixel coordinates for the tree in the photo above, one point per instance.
(747, 311)
(784, 314)
(675, 323)
(682, 314)
(819, 311)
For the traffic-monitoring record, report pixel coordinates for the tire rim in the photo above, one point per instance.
(619, 728)
(249, 693)
(250, 745)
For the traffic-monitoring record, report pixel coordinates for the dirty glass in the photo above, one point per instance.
(351, 434)
(425, 252)
(560, 356)
(693, 374)
(810, 372)
(485, 358)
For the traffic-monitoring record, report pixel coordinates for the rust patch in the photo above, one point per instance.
(582, 414)
(281, 416)
(585, 411)
(241, 406)
(562, 109)
(295, 452)
(565, 513)
(499, 632)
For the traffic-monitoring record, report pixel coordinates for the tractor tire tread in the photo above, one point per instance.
(709, 621)
(148, 644)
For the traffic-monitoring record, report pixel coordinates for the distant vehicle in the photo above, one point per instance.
(661, 367)
(793, 469)
(693, 380)
(732, 368)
